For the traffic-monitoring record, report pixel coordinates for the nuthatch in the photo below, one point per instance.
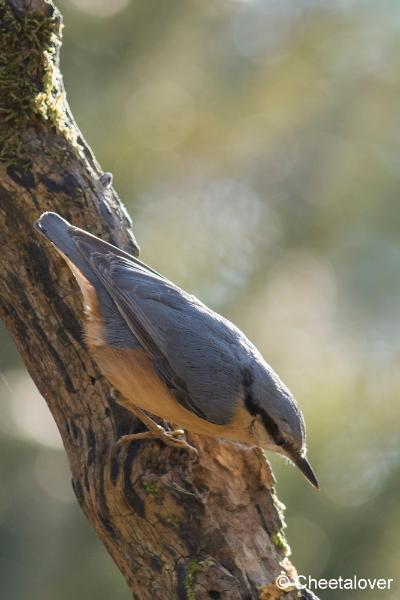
(172, 356)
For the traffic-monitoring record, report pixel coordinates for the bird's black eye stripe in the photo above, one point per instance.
(272, 428)
(254, 409)
(247, 378)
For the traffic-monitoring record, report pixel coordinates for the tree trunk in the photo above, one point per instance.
(176, 528)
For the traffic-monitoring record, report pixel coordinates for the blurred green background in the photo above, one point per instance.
(256, 145)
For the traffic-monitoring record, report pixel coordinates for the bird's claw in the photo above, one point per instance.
(170, 438)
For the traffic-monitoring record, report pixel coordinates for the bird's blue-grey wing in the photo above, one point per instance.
(194, 350)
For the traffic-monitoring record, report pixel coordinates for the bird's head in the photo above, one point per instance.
(278, 423)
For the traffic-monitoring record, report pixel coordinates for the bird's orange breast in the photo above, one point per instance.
(132, 374)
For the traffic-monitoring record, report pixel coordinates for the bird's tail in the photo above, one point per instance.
(61, 233)
(77, 244)
(78, 247)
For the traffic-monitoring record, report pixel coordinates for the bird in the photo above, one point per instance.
(172, 357)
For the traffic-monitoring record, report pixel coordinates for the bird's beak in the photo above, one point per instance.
(302, 463)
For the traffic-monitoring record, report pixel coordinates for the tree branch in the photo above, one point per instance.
(176, 528)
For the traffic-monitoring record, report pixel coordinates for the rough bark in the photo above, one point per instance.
(176, 528)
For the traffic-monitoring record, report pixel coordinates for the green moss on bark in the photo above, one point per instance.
(31, 88)
(193, 568)
(279, 540)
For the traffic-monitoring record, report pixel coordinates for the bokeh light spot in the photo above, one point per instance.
(100, 8)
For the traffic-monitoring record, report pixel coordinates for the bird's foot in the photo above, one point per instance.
(170, 438)
(175, 439)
